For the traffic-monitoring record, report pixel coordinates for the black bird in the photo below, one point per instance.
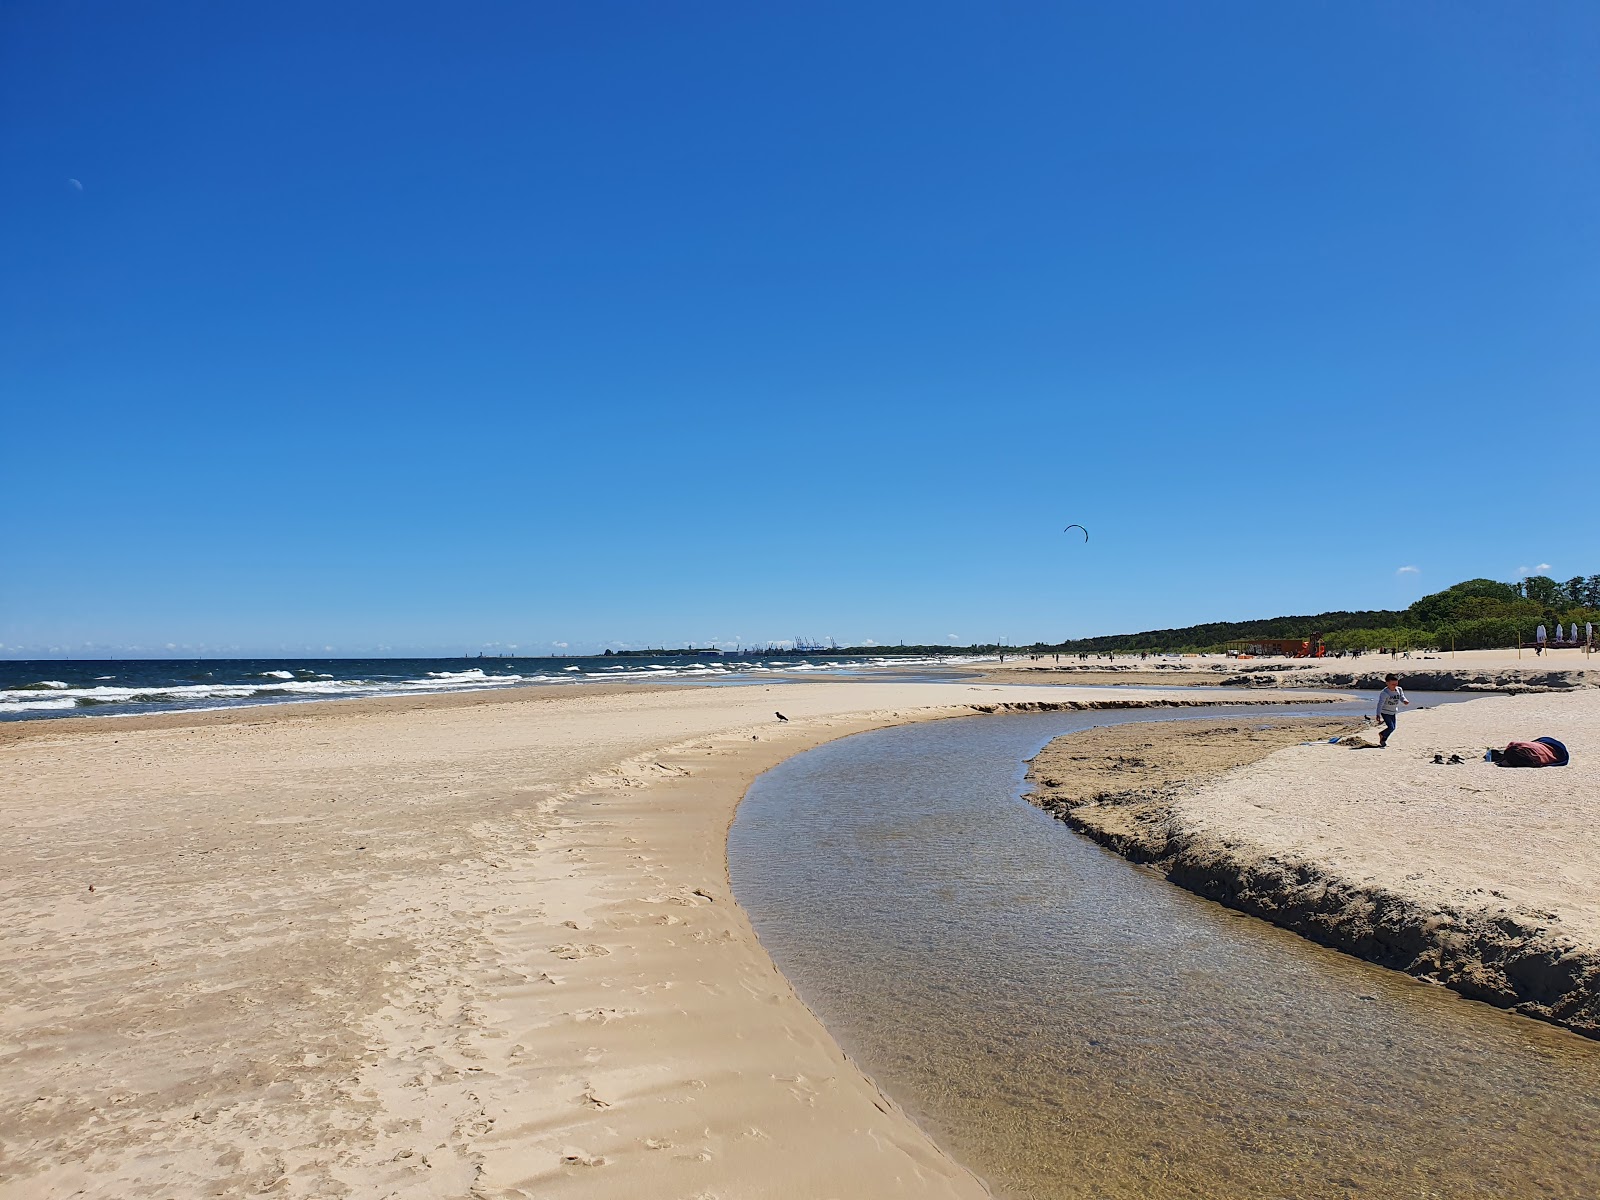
(780, 716)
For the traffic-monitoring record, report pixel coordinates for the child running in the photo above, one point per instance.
(1389, 702)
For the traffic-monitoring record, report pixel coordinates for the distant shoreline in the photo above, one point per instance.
(32, 690)
(1469, 670)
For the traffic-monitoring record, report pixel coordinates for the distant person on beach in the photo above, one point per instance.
(1390, 701)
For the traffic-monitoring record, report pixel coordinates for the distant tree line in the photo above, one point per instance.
(1478, 614)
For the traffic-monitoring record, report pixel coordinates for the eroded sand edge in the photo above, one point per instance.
(1479, 878)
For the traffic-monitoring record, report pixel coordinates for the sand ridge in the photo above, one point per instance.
(1483, 878)
(1467, 670)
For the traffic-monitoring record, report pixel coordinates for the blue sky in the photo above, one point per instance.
(415, 327)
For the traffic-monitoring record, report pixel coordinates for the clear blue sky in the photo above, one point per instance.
(453, 325)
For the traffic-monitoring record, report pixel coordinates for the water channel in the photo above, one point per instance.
(1070, 1025)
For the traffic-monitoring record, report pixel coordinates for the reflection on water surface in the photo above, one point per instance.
(1071, 1026)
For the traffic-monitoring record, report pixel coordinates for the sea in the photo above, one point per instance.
(42, 689)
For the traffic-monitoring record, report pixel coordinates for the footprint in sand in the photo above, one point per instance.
(572, 950)
(572, 1157)
(603, 1015)
(800, 1088)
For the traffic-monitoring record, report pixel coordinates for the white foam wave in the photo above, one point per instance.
(14, 706)
(50, 696)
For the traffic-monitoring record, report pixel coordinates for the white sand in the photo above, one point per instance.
(1475, 836)
(1574, 667)
(455, 946)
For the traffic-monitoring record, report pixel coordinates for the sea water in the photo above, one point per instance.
(59, 688)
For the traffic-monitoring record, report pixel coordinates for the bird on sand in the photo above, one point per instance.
(780, 716)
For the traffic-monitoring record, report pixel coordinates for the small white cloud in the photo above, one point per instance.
(1524, 572)
(1409, 571)
(870, 642)
(76, 186)
(559, 645)
(954, 637)
(1542, 567)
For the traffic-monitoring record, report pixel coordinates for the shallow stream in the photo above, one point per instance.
(1070, 1025)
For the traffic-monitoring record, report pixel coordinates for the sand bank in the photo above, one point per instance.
(1484, 879)
(1469, 670)
(446, 946)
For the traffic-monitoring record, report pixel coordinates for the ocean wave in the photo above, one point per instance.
(177, 692)
(474, 675)
(189, 693)
(20, 706)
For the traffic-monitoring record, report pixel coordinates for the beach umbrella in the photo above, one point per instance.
(1588, 632)
(1539, 634)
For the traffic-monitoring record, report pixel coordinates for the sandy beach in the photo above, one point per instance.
(446, 946)
(483, 945)
(1483, 878)
(1467, 670)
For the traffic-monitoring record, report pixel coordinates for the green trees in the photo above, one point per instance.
(1392, 637)
(1476, 614)
(1472, 599)
(1542, 590)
